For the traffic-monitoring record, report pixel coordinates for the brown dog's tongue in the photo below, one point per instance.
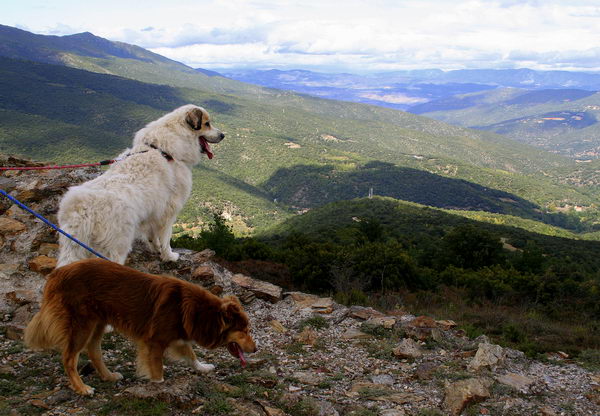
(205, 147)
(242, 358)
(236, 351)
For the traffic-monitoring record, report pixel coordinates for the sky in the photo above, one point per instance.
(335, 35)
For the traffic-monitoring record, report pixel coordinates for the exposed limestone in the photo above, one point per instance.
(316, 304)
(270, 411)
(408, 348)
(387, 322)
(46, 249)
(354, 333)
(21, 297)
(171, 390)
(277, 326)
(420, 328)
(488, 355)
(261, 290)
(308, 377)
(203, 274)
(446, 324)
(323, 305)
(42, 264)
(518, 382)
(203, 256)
(464, 392)
(10, 226)
(365, 313)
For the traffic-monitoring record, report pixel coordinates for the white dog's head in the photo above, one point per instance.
(198, 119)
(184, 134)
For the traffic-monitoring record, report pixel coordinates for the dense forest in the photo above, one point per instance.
(392, 254)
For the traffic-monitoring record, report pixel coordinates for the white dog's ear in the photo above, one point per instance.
(194, 118)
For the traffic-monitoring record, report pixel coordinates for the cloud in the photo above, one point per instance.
(351, 34)
(570, 59)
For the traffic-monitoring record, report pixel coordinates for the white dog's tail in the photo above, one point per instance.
(70, 251)
(75, 221)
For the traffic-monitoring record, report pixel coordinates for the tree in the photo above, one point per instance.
(219, 236)
(472, 247)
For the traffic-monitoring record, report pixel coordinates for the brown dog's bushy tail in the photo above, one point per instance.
(44, 331)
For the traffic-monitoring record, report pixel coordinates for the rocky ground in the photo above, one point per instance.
(315, 357)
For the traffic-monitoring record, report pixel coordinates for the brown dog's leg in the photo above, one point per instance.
(149, 361)
(70, 357)
(155, 362)
(184, 350)
(95, 354)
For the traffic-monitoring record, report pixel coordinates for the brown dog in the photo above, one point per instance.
(161, 313)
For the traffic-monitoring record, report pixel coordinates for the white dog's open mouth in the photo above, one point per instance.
(205, 148)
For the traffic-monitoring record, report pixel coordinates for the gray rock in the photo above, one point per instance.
(384, 379)
(464, 392)
(408, 348)
(488, 355)
(518, 382)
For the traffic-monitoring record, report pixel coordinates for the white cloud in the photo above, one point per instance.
(352, 34)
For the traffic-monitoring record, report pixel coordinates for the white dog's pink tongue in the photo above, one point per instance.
(205, 147)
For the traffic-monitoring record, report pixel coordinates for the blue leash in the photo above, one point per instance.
(26, 208)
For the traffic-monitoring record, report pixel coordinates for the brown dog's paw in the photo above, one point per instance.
(85, 390)
(114, 377)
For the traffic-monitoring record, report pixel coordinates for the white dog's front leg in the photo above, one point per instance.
(164, 242)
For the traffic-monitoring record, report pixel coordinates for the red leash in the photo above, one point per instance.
(83, 165)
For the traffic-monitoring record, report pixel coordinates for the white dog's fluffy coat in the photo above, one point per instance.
(141, 195)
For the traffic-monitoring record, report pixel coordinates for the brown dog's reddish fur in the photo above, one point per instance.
(159, 312)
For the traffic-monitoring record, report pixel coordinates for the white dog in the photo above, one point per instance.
(140, 195)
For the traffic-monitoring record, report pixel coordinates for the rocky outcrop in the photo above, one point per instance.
(316, 357)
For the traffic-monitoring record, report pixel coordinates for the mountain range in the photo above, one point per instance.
(406, 89)
(563, 121)
(81, 97)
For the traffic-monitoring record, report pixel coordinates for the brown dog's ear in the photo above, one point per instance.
(231, 308)
(194, 118)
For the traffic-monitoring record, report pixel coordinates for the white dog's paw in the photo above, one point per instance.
(170, 256)
(158, 380)
(203, 367)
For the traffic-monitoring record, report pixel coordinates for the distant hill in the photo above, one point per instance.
(563, 121)
(406, 89)
(66, 114)
(412, 222)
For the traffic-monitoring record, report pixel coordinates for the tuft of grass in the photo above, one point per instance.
(590, 359)
(134, 407)
(218, 405)
(8, 386)
(317, 322)
(295, 348)
(381, 349)
(370, 393)
(303, 407)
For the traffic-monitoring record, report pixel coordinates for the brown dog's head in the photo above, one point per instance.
(198, 119)
(236, 335)
(214, 322)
